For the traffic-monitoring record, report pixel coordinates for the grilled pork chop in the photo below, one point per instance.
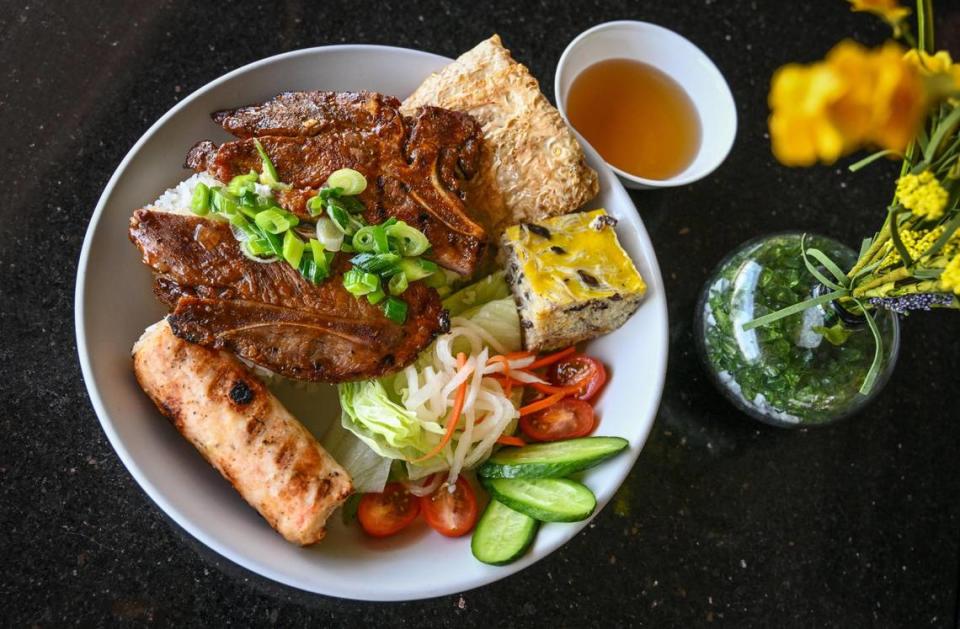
(268, 313)
(416, 165)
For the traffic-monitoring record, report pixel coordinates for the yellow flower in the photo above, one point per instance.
(939, 68)
(853, 98)
(915, 241)
(922, 194)
(950, 278)
(939, 63)
(800, 126)
(889, 10)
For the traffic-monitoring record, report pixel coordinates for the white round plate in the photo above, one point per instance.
(114, 303)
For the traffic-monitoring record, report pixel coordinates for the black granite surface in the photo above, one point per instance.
(723, 521)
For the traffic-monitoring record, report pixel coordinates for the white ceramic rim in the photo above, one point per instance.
(654, 281)
(726, 94)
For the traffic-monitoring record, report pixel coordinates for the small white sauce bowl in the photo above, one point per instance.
(679, 59)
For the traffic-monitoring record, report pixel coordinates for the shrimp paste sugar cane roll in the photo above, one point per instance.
(243, 431)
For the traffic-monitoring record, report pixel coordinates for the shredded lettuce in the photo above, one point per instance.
(372, 409)
(500, 319)
(381, 422)
(368, 469)
(483, 291)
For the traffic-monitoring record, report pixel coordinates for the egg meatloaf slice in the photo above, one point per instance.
(571, 279)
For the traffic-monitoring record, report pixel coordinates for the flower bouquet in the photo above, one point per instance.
(790, 355)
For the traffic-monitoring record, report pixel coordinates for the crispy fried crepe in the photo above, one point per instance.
(532, 166)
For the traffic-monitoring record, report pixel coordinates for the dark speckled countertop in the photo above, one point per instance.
(722, 521)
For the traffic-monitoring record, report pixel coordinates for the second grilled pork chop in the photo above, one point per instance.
(268, 313)
(416, 164)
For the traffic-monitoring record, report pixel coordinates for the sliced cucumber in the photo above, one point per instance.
(551, 460)
(502, 534)
(545, 499)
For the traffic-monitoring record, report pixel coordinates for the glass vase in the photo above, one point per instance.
(788, 373)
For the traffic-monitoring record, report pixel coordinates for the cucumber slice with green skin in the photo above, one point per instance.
(502, 534)
(545, 499)
(551, 460)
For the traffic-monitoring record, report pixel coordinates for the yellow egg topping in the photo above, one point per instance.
(574, 258)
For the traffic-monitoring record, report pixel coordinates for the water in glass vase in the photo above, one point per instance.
(794, 371)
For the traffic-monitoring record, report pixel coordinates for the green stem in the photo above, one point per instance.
(874, 370)
(895, 275)
(794, 309)
(925, 25)
(869, 159)
(874, 248)
(926, 286)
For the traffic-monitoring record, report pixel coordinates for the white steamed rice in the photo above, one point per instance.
(178, 198)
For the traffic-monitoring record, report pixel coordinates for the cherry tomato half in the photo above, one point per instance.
(451, 513)
(589, 373)
(389, 512)
(567, 419)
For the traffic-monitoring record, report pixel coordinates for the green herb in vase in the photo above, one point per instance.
(798, 329)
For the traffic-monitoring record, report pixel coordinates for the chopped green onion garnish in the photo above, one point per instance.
(328, 234)
(351, 278)
(351, 204)
(376, 296)
(417, 268)
(395, 309)
(315, 205)
(317, 249)
(398, 283)
(276, 221)
(239, 220)
(363, 239)
(342, 219)
(258, 246)
(381, 244)
(332, 196)
(371, 238)
(275, 242)
(341, 205)
(292, 249)
(200, 203)
(380, 263)
(308, 269)
(370, 280)
(249, 212)
(223, 202)
(268, 174)
(350, 181)
(360, 283)
(326, 192)
(324, 260)
(410, 240)
(242, 183)
(314, 269)
(346, 247)
(249, 199)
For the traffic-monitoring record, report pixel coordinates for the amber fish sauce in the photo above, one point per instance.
(638, 118)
